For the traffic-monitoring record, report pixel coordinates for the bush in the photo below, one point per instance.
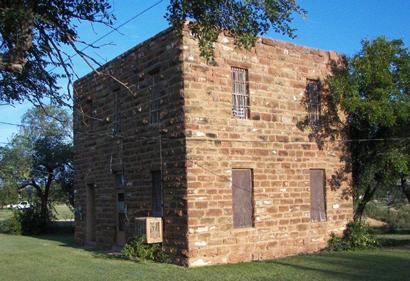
(26, 221)
(11, 225)
(356, 236)
(397, 219)
(376, 211)
(138, 250)
(401, 218)
(336, 243)
(31, 221)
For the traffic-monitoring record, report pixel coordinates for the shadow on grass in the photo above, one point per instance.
(390, 242)
(353, 266)
(359, 265)
(65, 238)
(388, 237)
(388, 230)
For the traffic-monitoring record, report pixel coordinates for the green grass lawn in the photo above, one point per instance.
(57, 258)
(61, 211)
(394, 240)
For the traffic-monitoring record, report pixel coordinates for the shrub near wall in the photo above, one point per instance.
(356, 236)
(138, 250)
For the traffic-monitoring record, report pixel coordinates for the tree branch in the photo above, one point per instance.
(20, 41)
(32, 183)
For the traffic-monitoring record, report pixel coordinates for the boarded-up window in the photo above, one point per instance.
(157, 209)
(313, 91)
(240, 93)
(242, 198)
(317, 195)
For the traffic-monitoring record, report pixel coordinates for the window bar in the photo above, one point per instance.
(240, 95)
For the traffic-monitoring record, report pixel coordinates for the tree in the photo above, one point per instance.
(373, 91)
(244, 20)
(40, 156)
(9, 160)
(33, 34)
(8, 194)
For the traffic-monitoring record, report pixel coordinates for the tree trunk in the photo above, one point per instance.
(44, 200)
(405, 188)
(368, 195)
(44, 208)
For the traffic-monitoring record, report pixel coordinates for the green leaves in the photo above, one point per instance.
(355, 237)
(244, 20)
(397, 161)
(34, 33)
(375, 84)
(373, 91)
(137, 249)
(32, 37)
(41, 153)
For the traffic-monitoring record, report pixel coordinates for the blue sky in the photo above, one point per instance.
(329, 25)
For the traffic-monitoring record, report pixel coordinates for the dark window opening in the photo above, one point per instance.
(116, 129)
(121, 211)
(313, 91)
(240, 93)
(85, 112)
(155, 98)
(242, 198)
(119, 180)
(317, 195)
(157, 202)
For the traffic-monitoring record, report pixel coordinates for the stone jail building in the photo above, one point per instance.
(214, 149)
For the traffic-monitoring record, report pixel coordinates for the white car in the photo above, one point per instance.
(22, 205)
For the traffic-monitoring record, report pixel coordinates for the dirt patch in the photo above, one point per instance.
(375, 223)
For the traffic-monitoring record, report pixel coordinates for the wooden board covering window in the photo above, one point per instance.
(242, 198)
(156, 194)
(317, 195)
(91, 218)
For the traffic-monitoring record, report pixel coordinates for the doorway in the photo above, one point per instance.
(121, 218)
(157, 197)
(91, 215)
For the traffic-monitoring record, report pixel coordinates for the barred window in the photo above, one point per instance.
(240, 93)
(117, 116)
(313, 91)
(155, 99)
(122, 212)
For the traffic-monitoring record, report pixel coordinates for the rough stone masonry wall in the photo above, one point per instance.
(270, 143)
(135, 147)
